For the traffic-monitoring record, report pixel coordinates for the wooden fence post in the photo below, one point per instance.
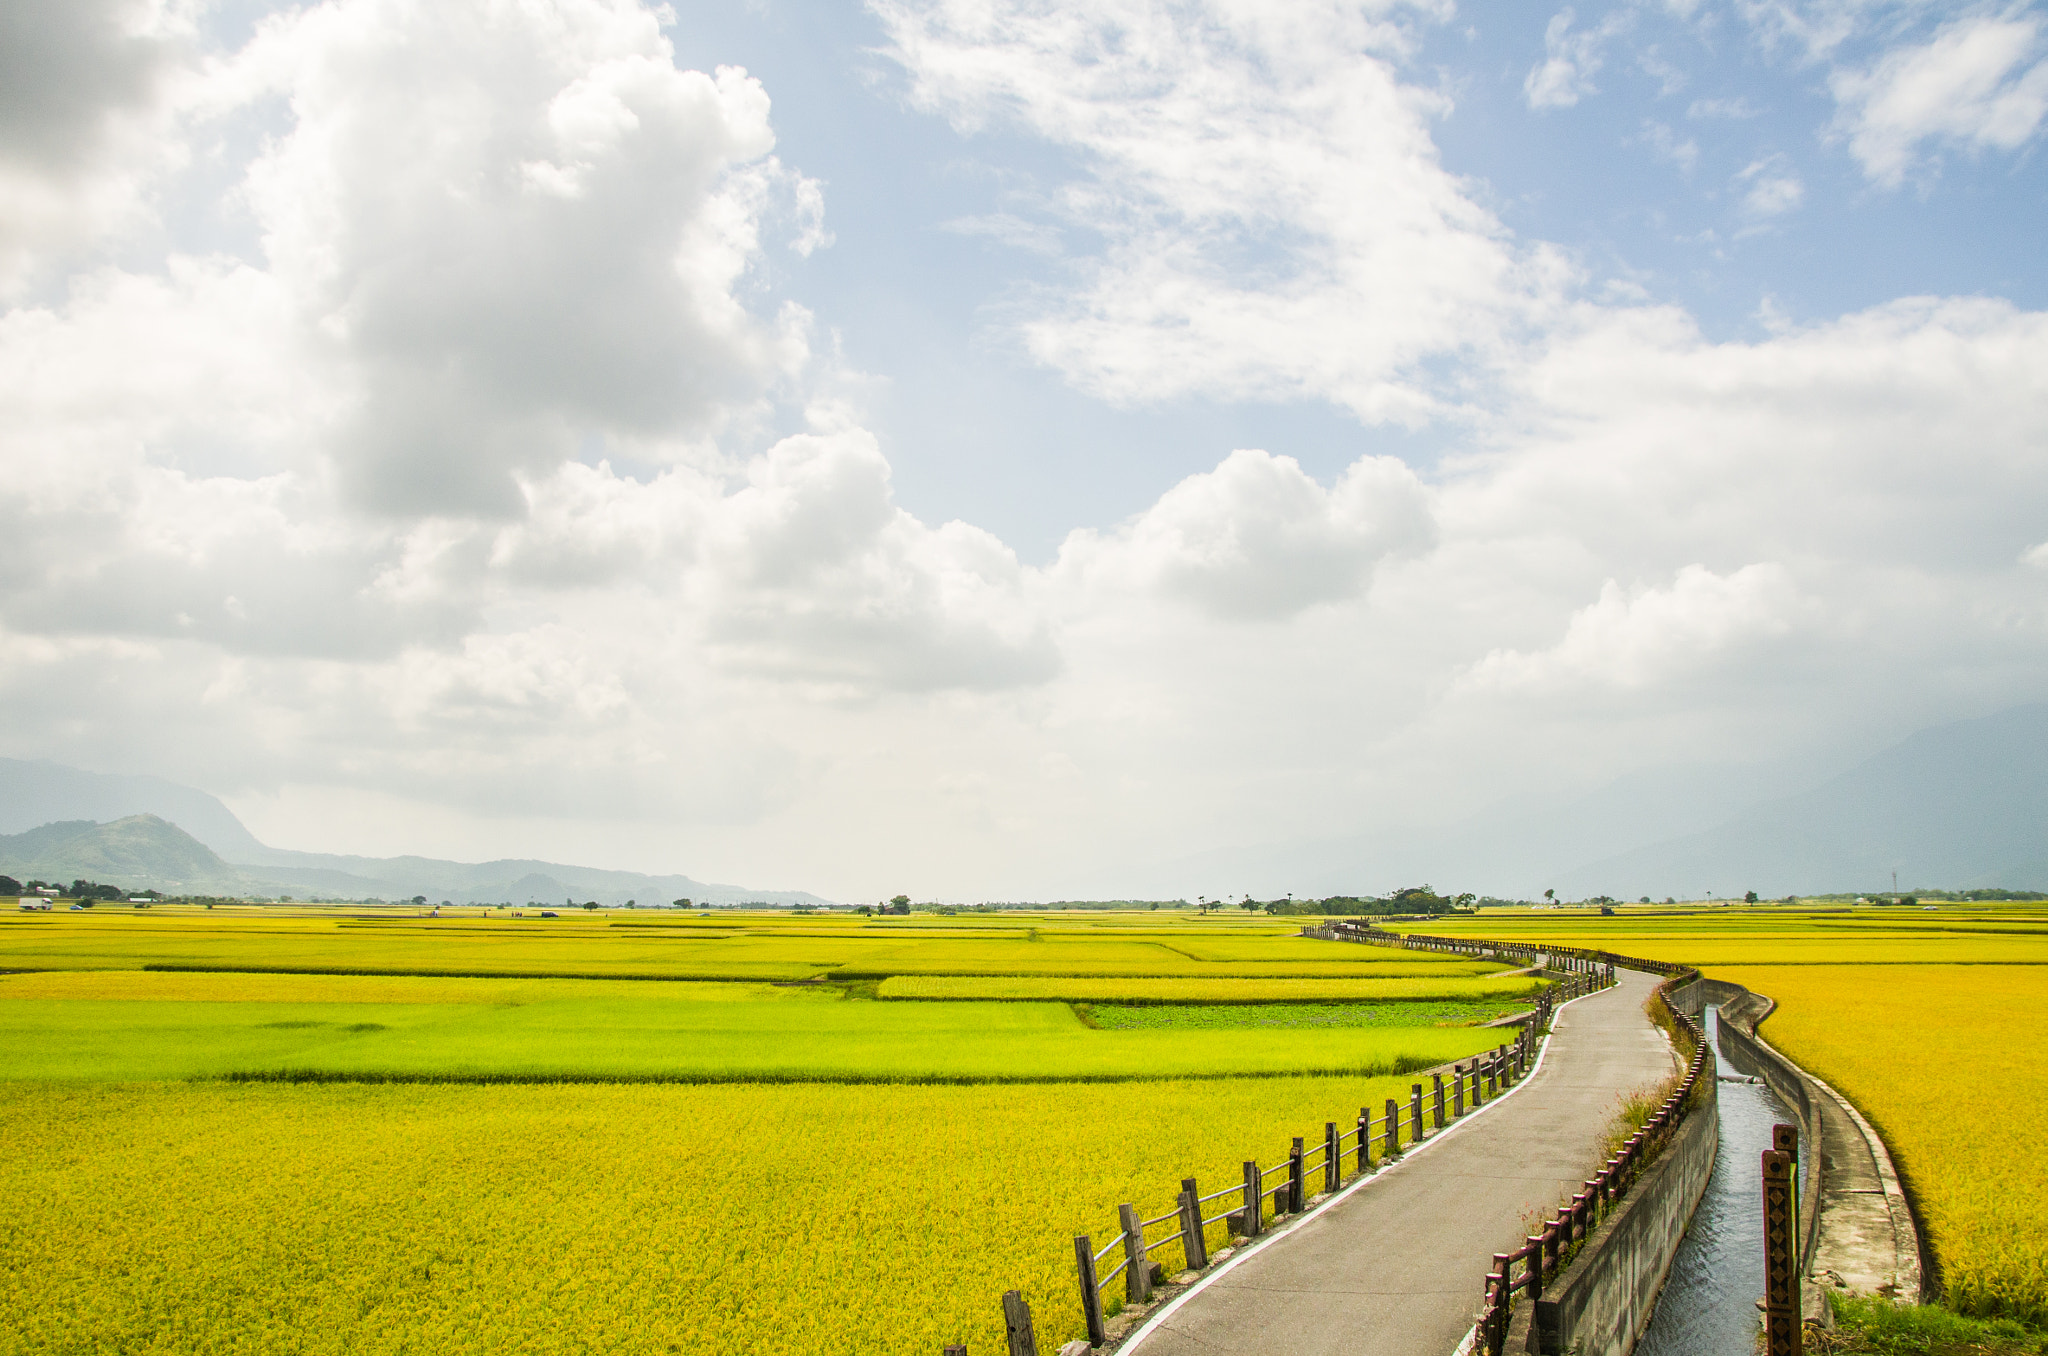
(1364, 1140)
(1457, 1091)
(1017, 1324)
(1137, 1266)
(1393, 1128)
(1295, 1173)
(1333, 1158)
(1193, 1244)
(1781, 1258)
(1415, 1112)
(1091, 1292)
(1438, 1108)
(1251, 1199)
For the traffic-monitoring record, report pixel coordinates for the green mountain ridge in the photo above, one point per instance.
(138, 852)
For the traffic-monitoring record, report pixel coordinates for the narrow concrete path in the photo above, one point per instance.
(1394, 1267)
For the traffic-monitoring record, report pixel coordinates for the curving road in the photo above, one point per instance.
(1392, 1267)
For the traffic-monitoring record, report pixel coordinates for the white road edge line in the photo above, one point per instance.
(1439, 1137)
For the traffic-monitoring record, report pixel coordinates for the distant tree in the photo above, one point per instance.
(631, 904)
(899, 904)
(1155, 907)
(682, 903)
(1749, 897)
(1249, 905)
(865, 911)
(419, 900)
(590, 904)
(1550, 895)
(1645, 899)
(9, 886)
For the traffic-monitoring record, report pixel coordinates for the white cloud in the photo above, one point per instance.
(465, 497)
(1632, 638)
(1257, 539)
(1277, 224)
(1977, 85)
(1570, 59)
(1664, 143)
(87, 89)
(1770, 188)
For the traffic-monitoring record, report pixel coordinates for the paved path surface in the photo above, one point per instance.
(1394, 1268)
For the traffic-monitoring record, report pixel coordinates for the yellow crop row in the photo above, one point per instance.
(744, 1219)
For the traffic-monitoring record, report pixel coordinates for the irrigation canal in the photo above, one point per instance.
(1708, 1306)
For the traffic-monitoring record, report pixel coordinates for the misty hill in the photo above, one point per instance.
(38, 792)
(137, 852)
(1955, 806)
(68, 823)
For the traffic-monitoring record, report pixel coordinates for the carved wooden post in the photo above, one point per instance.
(1785, 1139)
(1781, 1258)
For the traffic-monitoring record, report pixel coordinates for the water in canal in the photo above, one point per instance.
(1708, 1307)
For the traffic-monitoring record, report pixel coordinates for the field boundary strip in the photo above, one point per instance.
(1398, 1068)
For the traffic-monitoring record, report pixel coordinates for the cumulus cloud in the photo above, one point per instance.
(494, 479)
(1276, 222)
(84, 94)
(1257, 539)
(1631, 638)
(1979, 84)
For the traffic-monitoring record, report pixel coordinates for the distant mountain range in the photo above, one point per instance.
(59, 823)
(1961, 806)
(1957, 806)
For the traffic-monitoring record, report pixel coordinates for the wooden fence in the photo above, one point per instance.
(1248, 1207)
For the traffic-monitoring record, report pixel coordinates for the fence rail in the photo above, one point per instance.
(1468, 1086)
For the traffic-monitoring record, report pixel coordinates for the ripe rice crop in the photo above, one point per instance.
(1140, 989)
(1940, 1059)
(761, 1221)
(1924, 1021)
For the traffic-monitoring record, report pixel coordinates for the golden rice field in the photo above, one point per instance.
(1925, 1020)
(148, 1204)
(184, 1217)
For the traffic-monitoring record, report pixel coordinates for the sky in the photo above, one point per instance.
(999, 449)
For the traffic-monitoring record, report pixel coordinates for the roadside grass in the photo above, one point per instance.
(1877, 1327)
